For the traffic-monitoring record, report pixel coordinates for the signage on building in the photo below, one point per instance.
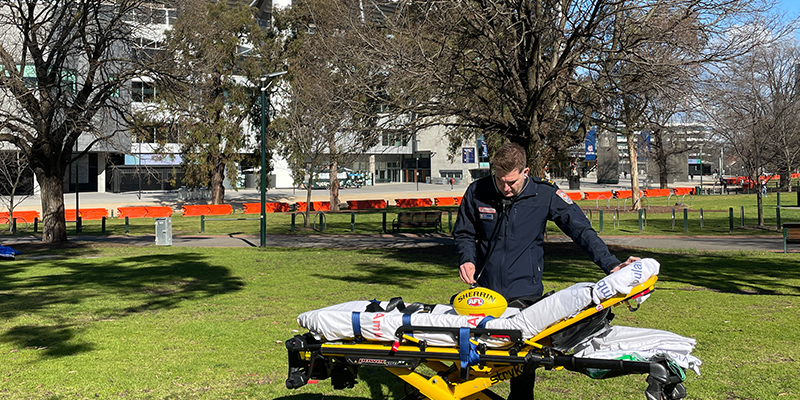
(484, 149)
(590, 146)
(153, 159)
(468, 155)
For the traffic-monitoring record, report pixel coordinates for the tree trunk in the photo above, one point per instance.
(54, 226)
(537, 158)
(637, 204)
(218, 185)
(307, 222)
(334, 186)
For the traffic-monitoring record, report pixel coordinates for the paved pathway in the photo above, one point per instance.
(722, 243)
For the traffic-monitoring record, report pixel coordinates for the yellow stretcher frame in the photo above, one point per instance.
(450, 382)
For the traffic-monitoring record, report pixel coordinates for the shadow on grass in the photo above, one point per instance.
(376, 379)
(132, 285)
(444, 258)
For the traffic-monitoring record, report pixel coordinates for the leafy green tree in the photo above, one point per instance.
(220, 52)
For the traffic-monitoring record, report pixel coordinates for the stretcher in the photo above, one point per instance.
(466, 361)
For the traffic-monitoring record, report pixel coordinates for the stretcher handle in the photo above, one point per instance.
(513, 334)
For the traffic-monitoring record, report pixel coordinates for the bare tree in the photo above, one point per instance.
(741, 100)
(15, 181)
(781, 76)
(516, 69)
(63, 65)
(327, 120)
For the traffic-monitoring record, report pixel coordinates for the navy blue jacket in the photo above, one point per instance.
(504, 237)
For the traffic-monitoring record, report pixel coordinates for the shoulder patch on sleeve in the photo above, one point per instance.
(564, 196)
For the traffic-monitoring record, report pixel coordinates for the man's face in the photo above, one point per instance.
(510, 183)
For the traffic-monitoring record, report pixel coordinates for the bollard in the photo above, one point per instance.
(78, 224)
(778, 216)
(14, 226)
(36, 225)
(730, 219)
(127, 225)
(202, 224)
(640, 219)
(685, 220)
(384, 222)
(673, 218)
(103, 226)
(742, 217)
(294, 216)
(615, 218)
(352, 222)
(601, 220)
(701, 217)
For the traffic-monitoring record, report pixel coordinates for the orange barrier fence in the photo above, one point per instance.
(144, 212)
(271, 207)
(682, 191)
(407, 203)
(365, 204)
(20, 216)
(316, 205)
(598, 195)
(446, 201)
(574, 196)
(657, 192)
(625, 194)
(86, 214)
(207, 209)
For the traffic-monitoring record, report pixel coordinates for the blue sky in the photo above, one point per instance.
(791, 7)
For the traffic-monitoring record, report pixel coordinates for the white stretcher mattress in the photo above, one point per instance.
(337, 322)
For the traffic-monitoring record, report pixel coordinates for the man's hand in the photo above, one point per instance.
(467, 272)
(626, 263)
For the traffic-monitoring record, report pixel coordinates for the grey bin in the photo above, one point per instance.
(164, 231)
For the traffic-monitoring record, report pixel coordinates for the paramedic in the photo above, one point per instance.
(500, 230)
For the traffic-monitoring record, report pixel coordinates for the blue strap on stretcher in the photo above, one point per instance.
(467, 351)
(355, 319)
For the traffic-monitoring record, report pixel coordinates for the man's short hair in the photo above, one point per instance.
(510, 157)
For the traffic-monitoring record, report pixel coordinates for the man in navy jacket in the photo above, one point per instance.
(500, 230)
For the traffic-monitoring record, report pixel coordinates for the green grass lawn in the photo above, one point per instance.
(114, 322)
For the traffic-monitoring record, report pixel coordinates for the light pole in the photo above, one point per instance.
(264, 123)
(701, 169)
(416, 174)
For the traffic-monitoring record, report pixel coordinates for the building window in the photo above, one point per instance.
(395, 139)
(451, 174)
(161, 132)
(142, 91)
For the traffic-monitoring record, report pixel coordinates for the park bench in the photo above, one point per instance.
(418, 219)
(791, 233)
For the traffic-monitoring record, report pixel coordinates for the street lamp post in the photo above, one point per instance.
(416, 174)
(264, 124)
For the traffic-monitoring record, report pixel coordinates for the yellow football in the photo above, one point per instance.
(480, 301)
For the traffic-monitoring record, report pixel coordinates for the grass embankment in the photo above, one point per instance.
(658, 219)
(192, 323)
